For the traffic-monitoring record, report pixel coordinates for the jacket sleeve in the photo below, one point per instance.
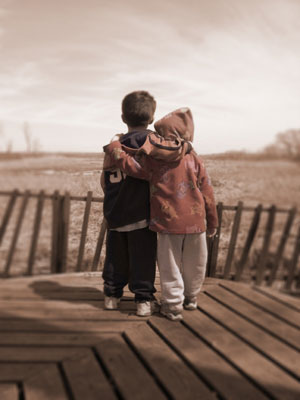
(169, 150)
(208, 195)
(126, 162)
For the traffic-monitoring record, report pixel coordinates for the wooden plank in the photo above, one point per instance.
(52, 338)
(16, 372)
(8, 213)
(293, 263)
(266, 303)
(54, 232)
(263, 373)
(255, 315)
(285, 235)
(233, 238)
(35, 233)
(286, 299)
(225, 380)
(46, 385)
(37, 353)
(120, 362)
(249, 241)
(105, 324)
(260, 273)
(258, 338)
(16, 233)
(86, 378)
(66, 314)
(178, 381)
(215, 244)
(9, 391)
(84, 230)
(99, 246)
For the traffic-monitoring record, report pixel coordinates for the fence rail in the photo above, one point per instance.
(252, 243)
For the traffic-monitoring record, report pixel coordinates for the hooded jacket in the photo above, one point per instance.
(127, 199)
(181, 195)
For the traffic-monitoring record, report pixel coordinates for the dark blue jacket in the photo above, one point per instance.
(126, 199)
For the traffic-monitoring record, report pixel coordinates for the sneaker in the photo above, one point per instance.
(111, 303)
(190, 303)
(172, 315)
(146, 308)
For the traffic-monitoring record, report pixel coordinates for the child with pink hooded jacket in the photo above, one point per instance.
(182, 211)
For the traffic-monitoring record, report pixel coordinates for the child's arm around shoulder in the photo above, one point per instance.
(126, 162)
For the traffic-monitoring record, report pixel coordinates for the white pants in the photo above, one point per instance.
(182, 264)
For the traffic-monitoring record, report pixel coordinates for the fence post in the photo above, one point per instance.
(284, 237)
(84, 230)
(213, 249)
(16, 232)
(293, 262)
(264, 253)
(99, 245)
(250, 238)
(8, 212)
(35, 233)
(55, 228)
(233, 238)
(63, 232)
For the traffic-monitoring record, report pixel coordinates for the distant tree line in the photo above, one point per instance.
(286, 145)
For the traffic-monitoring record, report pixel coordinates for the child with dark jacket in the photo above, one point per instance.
(130, 245)
(182, 209)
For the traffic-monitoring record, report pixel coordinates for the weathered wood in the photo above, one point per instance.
(285, 235)
(9, 391)
(91, 385)
(100, 241)
(78, 339)
(45, 385)
(120, 362)
(37, 353)
(293, 263)
(223, 379)
(212, 266)
(261, 266)
(16, 233)
(35, 233)
(84, 230)
(177, 380)
(263, 373)
(269, 322)
(284, 298)
(63, 233)
(8, 213)
(269, 346)
(266, 303)
(55, 230)
(233, 238)
(250, 238)
(111, 322)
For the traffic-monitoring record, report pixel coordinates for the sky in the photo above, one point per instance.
(65, 67)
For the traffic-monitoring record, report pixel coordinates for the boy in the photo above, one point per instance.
(182, 209)
(130, 245)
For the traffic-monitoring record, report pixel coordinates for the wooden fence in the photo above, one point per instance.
(252, 243)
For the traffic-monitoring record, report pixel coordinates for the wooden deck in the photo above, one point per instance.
(57, 342)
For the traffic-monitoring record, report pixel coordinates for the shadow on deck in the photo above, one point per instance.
(57, 342)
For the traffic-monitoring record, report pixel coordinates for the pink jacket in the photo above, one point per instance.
(181, 195)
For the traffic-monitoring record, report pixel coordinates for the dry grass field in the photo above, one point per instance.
(251, 181)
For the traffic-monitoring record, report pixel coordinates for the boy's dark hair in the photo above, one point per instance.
(138, 108)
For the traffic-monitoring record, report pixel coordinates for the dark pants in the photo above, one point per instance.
(130, 259)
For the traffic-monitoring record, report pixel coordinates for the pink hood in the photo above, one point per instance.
(177, 123)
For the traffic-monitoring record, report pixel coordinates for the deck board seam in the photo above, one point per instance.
(269, 332)
(266, 310)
